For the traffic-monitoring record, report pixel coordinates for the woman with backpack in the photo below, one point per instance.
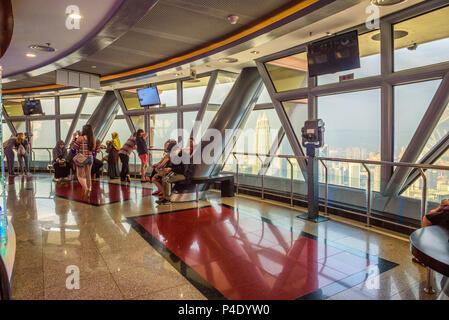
(22, 148)
(84, 145)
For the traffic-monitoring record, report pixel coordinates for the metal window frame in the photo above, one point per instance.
(385, 81)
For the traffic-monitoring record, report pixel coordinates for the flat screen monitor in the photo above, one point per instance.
(148, 97)
(338, 53)
(31, 107)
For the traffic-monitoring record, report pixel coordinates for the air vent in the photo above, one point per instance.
(384, 3)
(42, 47)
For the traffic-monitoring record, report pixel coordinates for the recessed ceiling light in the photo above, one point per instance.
(228, 60)
(397, 34)
(383, 3)
(30, 55)
(93, 67)
(232, 18)
(75, 16)
(254, 52)
(42, 47)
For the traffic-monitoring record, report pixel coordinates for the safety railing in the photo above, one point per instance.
(364, 163)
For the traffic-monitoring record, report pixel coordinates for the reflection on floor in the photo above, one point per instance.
(102, 192)
(232, 248)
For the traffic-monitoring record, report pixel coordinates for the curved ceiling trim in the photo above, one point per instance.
(119, 21)
(272, 22)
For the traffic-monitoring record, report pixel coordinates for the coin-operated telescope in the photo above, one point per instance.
(312, 138)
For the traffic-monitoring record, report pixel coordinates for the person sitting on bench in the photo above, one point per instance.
(173, 173)
(157, 171)
(438, 216)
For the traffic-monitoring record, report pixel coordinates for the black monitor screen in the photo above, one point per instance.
(148, 96)
(31, 107)
(335, 54)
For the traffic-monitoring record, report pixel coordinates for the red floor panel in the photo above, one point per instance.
(245, 258)
(102, 193)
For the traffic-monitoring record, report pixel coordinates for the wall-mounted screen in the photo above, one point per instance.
(148, 97)
(335, 54)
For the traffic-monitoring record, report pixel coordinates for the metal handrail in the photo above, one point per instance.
(420, 167)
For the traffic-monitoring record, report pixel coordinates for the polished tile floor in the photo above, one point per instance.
(127, 247)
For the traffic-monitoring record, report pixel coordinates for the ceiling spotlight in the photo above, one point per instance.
(41, 47)
(254, 52)
(233, 19)
(75, 15)
(397, 34)
(30, 55)
(384, 3)
(228, 60)
(93, 67)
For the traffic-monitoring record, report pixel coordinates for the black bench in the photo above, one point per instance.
(226, 180)
(430, 245)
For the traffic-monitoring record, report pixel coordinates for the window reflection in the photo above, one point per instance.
(288, 73)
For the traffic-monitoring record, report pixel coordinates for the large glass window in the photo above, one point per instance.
(193, 90)
(296, 111)
(168, 94)
(163, 127)
(352, 123)
(69, 104)
(264, 96)
(438, 133)
(224, 84)
(288, 73)
(437, 183)
(44, 136)
(48, 106)
(92, 101)
(422, 40)
(410, 103)
(188, 119)
(369, 51)
(130, 99)
(20, 126)
(6, 132)
(13, 108)
(139, 122)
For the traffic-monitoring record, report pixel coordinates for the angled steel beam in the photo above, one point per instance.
(285, 122)
(422, 134)
(179, 117)
(57, 120)
(81, 103)
(273, 149)
(387, 105)
(430, 158)
(8, 122)
(204, 102)
(121, 102)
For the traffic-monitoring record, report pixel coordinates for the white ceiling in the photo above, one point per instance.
(345, 19)
(42, 21)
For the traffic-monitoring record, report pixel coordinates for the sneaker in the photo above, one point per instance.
(163, 201)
